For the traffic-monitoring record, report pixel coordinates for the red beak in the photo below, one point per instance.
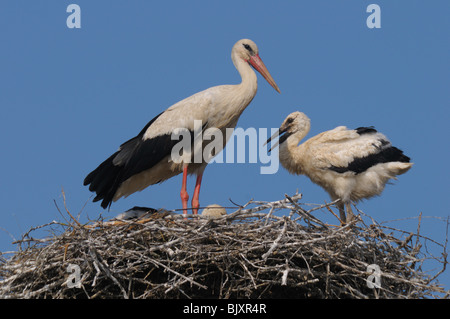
(259, 66)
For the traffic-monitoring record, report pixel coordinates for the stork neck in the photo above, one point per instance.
(249, 83)
(291, 155)
(293, 140)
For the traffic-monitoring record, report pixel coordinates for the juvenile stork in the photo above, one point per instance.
(350, 165)
(146, 159)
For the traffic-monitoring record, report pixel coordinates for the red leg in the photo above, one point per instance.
(195, 201)
(183, 193)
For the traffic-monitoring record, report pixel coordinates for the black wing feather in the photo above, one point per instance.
(385, 153)
(365, 130)
(133, 157)
(361, 164)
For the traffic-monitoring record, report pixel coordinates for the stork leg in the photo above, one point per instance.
(348, 208)
(341, 207)
(345, 207)
(195, 201)
(183, 193)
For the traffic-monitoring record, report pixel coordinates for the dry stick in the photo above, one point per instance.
(444, 254)
(65, 206)
(248, 272)
(301, 211)
(177, 273)
(275, 243)
(31, 239)
(267, 217)
(262, 206)
(418, 228)
(94, 255)
(327, 206)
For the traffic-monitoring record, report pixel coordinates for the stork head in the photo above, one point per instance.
(247, 50)
(296, 123)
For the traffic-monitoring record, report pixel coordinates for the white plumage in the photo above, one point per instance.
(350, 165)
(214, 211)
(146, 159)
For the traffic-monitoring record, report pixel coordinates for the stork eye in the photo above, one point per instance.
(248, 48)
(289, 120)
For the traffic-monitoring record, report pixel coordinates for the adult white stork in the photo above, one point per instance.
(146, 159)
(350, 165)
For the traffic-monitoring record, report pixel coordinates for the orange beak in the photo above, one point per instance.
(259, 66)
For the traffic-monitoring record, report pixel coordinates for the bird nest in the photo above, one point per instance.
(260, 250)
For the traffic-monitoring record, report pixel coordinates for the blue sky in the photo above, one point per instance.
(70, 97)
